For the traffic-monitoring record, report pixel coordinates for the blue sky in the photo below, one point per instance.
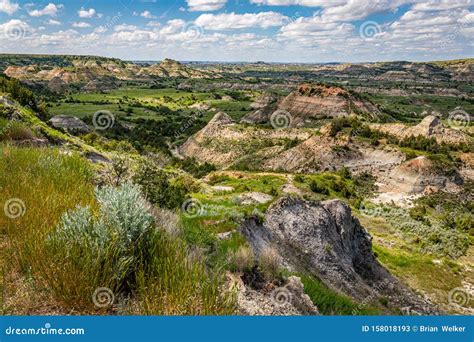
(242, 30)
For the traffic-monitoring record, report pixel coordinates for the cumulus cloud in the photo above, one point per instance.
(315, 30)
(226, 21)
(442, 5)
(8, 7)
(153, 24)
(125, 27)
(53, 22)
(205, 5)
(333, 33)
(147, 15)
(50, 9)
(81, 24)
(307, 3)
(88, 13)
(14, 29)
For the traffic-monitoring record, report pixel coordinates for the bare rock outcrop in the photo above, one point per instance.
(69, 123)
(325, 240)
(287, 300)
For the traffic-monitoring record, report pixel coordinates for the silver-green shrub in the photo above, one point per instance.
(111, 239)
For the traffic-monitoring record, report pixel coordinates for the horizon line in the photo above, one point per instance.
(229, 62)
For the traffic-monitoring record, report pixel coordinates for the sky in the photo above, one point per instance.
(307, 31)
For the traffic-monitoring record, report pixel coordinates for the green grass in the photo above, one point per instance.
(419, 270)
(329, 302)
(46, 184)
(408, 108)
(163, 278)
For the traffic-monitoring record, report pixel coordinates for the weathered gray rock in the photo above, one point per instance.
(70, 124)
(325, 240)
(287, 300)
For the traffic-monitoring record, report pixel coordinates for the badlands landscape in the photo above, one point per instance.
(236, 188)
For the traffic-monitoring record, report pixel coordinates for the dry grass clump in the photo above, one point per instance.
(243, 259)
(270, 262)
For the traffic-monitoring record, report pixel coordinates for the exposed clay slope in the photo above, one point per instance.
(89, 71)
(171, 68)
(429, 127)
(222, 143)
(323, 152)
(418, 175)
(325, 240)
(311, 102)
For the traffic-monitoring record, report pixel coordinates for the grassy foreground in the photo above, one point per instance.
(52, 261)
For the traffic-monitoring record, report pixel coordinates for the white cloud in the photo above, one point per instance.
(315, 31)
(153, 24)
(100, 29)
(53, 22)
(81, 24)
(50, 9)
(360, 9)
(147, 15)
(125, 27)
(173, 26)
(88, 13)
(307, 3)
(205, 5)
(442, 5)
(14, 29)
(8, 7)
(227, 21)
(437, 29)
(342, 10)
